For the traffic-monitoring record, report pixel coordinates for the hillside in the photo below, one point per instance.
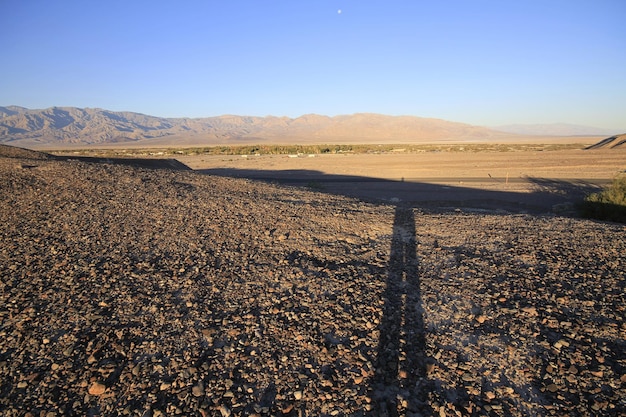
(612, 142)
(132, 291)
(75, 126)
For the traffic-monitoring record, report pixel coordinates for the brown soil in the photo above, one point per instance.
(134, 291)
(519, 181)
(557, 164)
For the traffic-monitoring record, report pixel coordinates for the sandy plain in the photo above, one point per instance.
(518, 179)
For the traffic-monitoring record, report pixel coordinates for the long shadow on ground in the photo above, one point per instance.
(149, 163)
(401, 359)
(400, 380)
(528, 195)
(401, 385)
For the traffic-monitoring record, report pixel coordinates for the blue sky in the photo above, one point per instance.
(485, 62)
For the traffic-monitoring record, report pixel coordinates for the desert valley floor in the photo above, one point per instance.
(126, 290)
(522, 180)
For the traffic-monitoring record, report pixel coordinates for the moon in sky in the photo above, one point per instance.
(339, 11)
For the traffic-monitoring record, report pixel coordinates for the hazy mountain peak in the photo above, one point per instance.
(11, 110)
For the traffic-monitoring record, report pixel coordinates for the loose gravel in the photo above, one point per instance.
(153, 292)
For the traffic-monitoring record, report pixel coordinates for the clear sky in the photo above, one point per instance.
(485, 62)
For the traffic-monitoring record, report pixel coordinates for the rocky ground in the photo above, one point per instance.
(151, 292)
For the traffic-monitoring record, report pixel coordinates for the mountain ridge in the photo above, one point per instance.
(96, 126)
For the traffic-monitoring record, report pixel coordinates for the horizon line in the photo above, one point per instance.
(491, 126)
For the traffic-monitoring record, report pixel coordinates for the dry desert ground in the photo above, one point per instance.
(517, 180)
(144, 290)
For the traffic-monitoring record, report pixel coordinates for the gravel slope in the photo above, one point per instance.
(131, 291)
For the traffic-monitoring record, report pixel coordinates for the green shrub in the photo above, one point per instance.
(609, 204)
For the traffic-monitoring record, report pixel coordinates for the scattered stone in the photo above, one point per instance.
(531, 311)
(552, 388)
(97, 389)
(198, 390)
(224, 411)
(182, 299)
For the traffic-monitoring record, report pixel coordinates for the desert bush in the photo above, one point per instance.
(609, 204)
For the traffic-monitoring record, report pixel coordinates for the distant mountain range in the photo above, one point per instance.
(71, 126)
(554, 129)
(86, 126)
